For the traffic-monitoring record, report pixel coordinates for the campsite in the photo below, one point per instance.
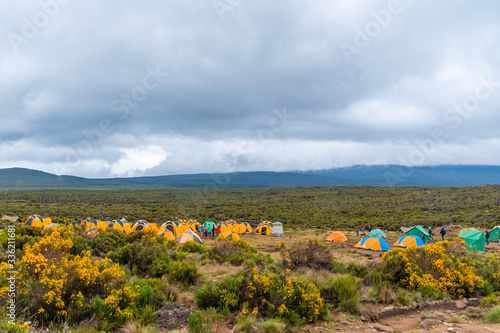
(189, 274)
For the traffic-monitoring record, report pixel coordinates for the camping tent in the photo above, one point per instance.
(35, 221)
(404, 229)
(474, 239)
(92, 232)
(168, 235)
(209, 225)
(188, 236)
(465, 230)
(373, 243)
(229, 235)
(277, 229)
(409, 241)
(127, 228)
(51, 225)
(115, 225)
(494, 234)
(10, 218)
(248, 228)
(223, 227)
(88, 223)
(141, 225)
(264, 228)
(376, 233)
(420, 233)
(337, 236)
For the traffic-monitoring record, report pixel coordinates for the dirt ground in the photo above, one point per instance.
(463, 321)
(344, 252)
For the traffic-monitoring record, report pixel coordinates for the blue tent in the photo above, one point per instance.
(409, 241)
(373, 243)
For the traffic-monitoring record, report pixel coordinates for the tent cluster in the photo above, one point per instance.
(239, 228)
(268, 228)
(37, 221)
(375, 240)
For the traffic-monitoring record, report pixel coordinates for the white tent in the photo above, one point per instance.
(277, 229)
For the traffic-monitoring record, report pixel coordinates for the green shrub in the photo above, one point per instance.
(145, 257)
(196, 322)
(184, 272)
(490, 300)
(155, 293)
(148, 315)
(493, 317)
(312, 254)
(385, 294)
(245, 324)
(403, 297)
(192, 247)
(227, 251)
(205, 322)
(272, 325)
(270, 295)
(210, 295)
(346, 293)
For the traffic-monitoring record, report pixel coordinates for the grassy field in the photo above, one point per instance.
(387, 208)
(111, 281)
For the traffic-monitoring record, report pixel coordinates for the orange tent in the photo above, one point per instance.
(337, 236)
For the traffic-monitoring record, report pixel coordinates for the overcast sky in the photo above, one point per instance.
(130, 88)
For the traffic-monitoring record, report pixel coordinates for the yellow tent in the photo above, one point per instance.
(101, 225)
(127, 228)
(168, 235)
(229, 235)
(264, 228)
(47, 221)
(35, 221)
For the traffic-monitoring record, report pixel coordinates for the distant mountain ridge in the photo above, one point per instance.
(375, 175)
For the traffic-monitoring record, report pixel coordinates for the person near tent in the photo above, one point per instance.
(357, 230)
(442, 232)
(202, 230)
(217, 230)
(369, 228)
(213, 232)
(430, 233)
(487, 235)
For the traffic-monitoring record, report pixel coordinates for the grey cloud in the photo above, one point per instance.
(225, 78)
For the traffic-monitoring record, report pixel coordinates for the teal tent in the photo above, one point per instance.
(208, 226)
(474, 239)
(376, 233)
(420, 233)
(494, 234)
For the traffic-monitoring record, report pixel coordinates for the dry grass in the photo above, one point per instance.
(318, 277)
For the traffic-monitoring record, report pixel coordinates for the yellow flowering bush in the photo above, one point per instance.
(59, 284)
(270, 294)
(444, 267)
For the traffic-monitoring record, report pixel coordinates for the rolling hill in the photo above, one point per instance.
(383, 175)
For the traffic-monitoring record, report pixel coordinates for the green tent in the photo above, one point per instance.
(419, 232)
(464, 231)
(474, 239)
(208, 226)
(376, 233)
(494, 234)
